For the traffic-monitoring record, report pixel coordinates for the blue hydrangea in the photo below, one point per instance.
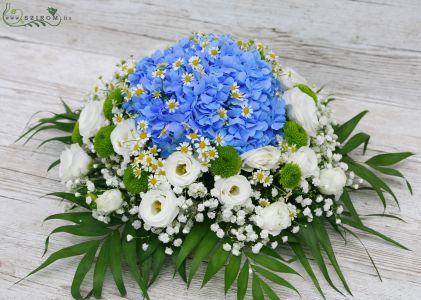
(209, 85)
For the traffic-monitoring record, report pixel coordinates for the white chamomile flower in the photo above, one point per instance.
(271, 56)
(138, 90)
(117, 119)
(153, 181)
(212, 153)
(234, 87)
(156, 94)
(218, 139)
(193, 136)
(237, 94)
(142, 125)
(194, 61)
(177, 64)
(187, 78)
(222, 113)
(246, 111)
(185, 148)
(213, 52)
(144, 136)
(202, 144)
(159, 73)
(172, 105)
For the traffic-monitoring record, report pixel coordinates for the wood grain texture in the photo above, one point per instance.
(367, 52)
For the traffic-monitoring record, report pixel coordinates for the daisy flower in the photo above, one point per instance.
(218, 139)
(142, 125)
(194, 61)
(213, 52)
(246, 111)
(187, 78)
(144, 136)
(159, 73)
(237, 95)
(202, 144)
(156, 94)
(177, 64)
(137, 172)
(153, 181)
(185, 148)
(222, 113)
(172, 105)
(154, 150)
(193, 136)
(271, 56)
(139, 90)
(117, 119)
(212, 153)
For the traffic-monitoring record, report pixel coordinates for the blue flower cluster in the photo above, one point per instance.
(209, 85)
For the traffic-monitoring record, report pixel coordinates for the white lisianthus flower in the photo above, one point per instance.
(332, 181)
(274, 218)
(302, 109)
(289, 78)
(74, 162)
(306, 159)
(181, 169)
(91, 119)
(123, 137)
(234, 190)
(264, 158)
(109, 201)
(158, 208)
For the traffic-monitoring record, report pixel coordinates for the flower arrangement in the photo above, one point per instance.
(210, 150)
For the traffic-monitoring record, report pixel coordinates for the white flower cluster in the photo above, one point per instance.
(256, 206)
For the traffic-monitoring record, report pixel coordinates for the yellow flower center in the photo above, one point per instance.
(143, 135)
(157, 206)
(181, 169)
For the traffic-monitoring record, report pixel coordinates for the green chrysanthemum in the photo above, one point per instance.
(295, 134)
(102, 141)
(132, 183)
(290, 176)
(114, 98)
(76, 137)
(228, 162)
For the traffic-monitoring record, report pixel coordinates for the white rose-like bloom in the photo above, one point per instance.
(123, 137)
(158, 208)
(181, 169)
(332, 181)
(234, 190)
(274, 218)
(264, 158)
(74, 162)
(109, 201)
(91, 119)
(306, 159)
(289, 78)
(302, 109)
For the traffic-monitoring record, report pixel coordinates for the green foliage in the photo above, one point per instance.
(216, 262)
(345, 130)
(115, 98)
(76, 137)
(63, 122)
(203, 249)
(290, 176)
(307, 90)
(228, 162)
(295, 134)
(102, 141)
(231, 271)
(191, 241)
(132, 183)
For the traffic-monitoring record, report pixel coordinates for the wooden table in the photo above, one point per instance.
(367, 53)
